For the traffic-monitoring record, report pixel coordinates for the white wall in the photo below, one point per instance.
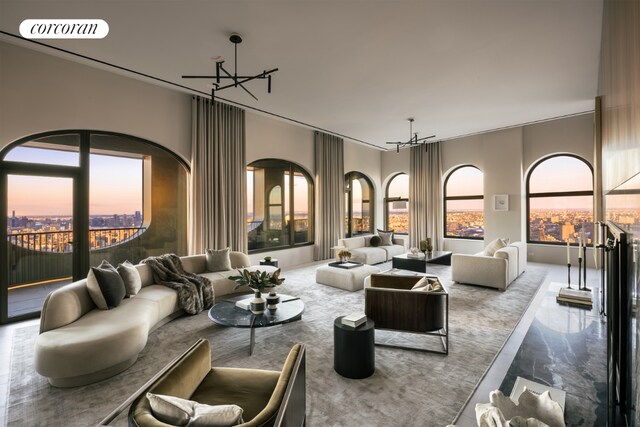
(503, 175)
(273, 139)
(40, 93)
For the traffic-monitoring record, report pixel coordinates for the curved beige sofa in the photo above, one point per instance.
(80, 344)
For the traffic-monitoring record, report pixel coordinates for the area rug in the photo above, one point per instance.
(408, 388)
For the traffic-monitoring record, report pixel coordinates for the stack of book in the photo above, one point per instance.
(354, 320)
(575, 297)
(244, 304)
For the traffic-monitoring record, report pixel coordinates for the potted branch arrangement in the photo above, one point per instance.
(344, 255)
(426, 247)
(259, 281)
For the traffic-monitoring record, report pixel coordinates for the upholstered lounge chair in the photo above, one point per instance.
(495, 271)
(392, 305)
(269, 398)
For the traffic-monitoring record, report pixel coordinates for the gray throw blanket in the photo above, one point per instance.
(195, 293)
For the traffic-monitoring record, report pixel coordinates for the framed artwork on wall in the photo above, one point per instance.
(500, 202)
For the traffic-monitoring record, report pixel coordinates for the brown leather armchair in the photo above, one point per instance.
(392, 304)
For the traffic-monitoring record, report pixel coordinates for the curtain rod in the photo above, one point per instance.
(99, 61)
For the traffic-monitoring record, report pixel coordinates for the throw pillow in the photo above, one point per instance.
(105, 286)
(375, 241)
(218, 260)
(130, 277)
(492, 247)
(386, 237)
(427, 284)
(180, 412)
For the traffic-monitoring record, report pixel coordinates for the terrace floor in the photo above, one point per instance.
(29, 299)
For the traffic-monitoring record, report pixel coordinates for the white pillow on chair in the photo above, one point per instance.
(182, 412)
(492, 247)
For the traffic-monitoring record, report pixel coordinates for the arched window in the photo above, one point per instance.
(279, 205)
(358, 202)
(464, 203)
(560, 200)
(75, 198)
(396, 204)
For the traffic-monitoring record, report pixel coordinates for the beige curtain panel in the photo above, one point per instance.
(218, 177)
(329, 185)
(425, 195)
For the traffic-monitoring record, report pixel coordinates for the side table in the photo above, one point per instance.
(273, 262)
(354, 349)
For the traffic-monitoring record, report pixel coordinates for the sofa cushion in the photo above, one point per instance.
(496, 244)
(375, 241)
(180, 412)
(386, 237)
(369, 255)
(393, 250)
(146, 274)
(105, 286)
(218, 260)
(354, 242)
(221, 283)
(164, 298)
(130, 277)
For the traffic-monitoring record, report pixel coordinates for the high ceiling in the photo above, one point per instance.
(360, 68)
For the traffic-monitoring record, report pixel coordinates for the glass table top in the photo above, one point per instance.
(226, 313)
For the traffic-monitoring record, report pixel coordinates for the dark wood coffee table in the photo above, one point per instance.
(404, 262)
(226, 313)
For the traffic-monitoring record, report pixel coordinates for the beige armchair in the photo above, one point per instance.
(268, 398)
(497, 271)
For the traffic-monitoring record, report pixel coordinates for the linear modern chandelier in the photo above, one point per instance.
(413, 139)
(223, 75)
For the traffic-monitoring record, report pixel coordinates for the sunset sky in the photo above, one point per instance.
(115, 187)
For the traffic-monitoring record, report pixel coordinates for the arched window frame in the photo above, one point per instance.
(291, 167)
(530, 195)
(349, 177)
(81, 176)
(466, 197)
(388, 200)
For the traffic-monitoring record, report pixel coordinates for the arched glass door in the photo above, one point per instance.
(70, 199)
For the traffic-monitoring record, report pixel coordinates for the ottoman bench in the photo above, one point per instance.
(351, 279)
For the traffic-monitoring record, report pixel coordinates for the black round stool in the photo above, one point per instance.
(354, 349)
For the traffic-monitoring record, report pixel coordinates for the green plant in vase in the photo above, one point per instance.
(258, 281)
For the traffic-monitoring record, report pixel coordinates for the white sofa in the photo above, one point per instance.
(80, 344)
(362, 251)
(497, 271)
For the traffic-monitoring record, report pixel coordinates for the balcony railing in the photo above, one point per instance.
(45, 256)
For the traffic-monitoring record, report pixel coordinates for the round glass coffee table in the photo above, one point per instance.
(226, 313)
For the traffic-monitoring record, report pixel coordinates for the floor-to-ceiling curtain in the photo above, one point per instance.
(329, 185)
(425, 195)
(218, 177)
